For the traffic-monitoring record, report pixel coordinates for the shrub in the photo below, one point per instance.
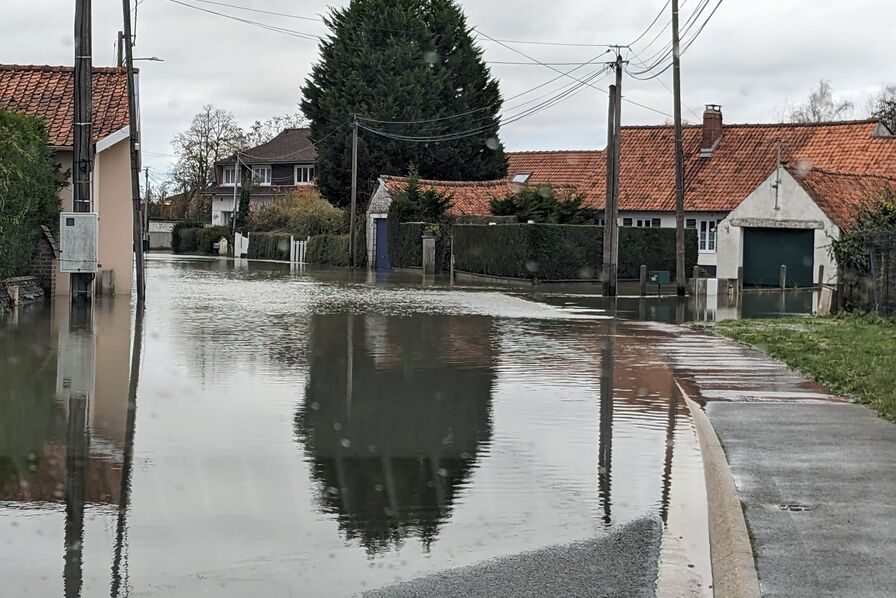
(328, 249)
(406, 245)
(543, 205)
(208, 236)
(188, 242)
(411, 210)
(301, 214)
(28, 190)
(181, 241)
(269, 246)
(563, 252)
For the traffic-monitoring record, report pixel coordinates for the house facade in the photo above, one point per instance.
(285, 164)
(47, 92)
(749, 189)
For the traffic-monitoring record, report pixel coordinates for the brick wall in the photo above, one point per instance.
(43, 266)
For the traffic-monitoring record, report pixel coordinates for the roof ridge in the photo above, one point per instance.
(58, 68)
(773, 125)
(844, 173)
(447, 183)
(578, 151)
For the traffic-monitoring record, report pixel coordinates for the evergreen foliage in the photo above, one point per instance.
(542, 205)
(875, 220)
(402, 60)
(29, 183)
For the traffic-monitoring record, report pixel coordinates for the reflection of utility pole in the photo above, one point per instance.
(670, 445)
(605, 443)
(124, 499)
(75, 483)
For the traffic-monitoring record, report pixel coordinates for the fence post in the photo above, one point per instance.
(643, 280)
(696, 276)
(740, 280)
(292, 250)
(783, 277)
(820, 276)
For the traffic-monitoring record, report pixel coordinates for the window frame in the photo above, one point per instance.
(260, 181)
(303, 167)
(229, 170)
(627, 222)
(708, 235)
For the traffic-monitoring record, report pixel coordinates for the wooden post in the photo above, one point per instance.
(821, 276)
(696, 276)
(643, 280)
(783, 277)
(740, 280)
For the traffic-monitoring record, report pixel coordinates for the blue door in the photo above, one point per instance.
(382, 250)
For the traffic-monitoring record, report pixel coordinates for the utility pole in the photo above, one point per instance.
(611, 211)
(351, 232)
(680, 275)
(237, 178)
(146, 210)
(119, 56)
(83, 132)
(134, 142)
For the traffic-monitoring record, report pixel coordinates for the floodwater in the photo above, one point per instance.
(289, 433)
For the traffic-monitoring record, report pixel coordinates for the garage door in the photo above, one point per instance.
(765, 249)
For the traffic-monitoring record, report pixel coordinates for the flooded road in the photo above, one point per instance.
(324, 434)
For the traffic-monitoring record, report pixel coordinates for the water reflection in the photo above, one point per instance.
(392, 433)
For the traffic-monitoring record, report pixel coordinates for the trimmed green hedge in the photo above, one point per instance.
(207, 237)
(328, 249)
(268, 246)
(564, 252)
(405, 244)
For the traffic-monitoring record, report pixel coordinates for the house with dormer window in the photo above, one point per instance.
(285, 164)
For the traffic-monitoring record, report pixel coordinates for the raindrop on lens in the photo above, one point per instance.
(492, 144)
(337, 426)
(345, 442)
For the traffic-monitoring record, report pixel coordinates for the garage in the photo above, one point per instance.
(766, 249)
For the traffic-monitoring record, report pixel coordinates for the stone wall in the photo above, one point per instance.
(43, 266)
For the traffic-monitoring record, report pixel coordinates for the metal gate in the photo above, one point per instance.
(767, 249)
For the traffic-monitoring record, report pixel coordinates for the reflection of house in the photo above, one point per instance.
(284, 164)
(47, 93)
(732, 168)
(392, 437)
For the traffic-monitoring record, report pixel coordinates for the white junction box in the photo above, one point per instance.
(78, 233)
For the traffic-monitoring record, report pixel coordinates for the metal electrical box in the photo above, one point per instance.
(78, 233)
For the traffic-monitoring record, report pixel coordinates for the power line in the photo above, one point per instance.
(649, 27)
(284, 30)
(260, 11)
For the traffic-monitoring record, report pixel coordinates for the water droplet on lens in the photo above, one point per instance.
(345, 442)
(337, 426)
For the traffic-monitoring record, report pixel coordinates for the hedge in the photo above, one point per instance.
(564, 252)
(406, 246)
(183, 241)
(328, 249)
(208, 236)
(268, 246)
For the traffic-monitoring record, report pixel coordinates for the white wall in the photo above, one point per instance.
(795, 210)
(220, 204)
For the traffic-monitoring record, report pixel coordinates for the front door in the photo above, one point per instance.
(382, 249)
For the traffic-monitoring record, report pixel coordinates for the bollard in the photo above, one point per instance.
(643, 280)
(13, 294)
(821, 276)
(740, 280)
(429, 254)
(783, 277)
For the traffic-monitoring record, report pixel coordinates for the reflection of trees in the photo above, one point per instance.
(396, 411)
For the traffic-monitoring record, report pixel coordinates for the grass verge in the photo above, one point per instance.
(854, 356)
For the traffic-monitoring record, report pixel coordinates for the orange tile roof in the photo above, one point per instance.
(48, 93)
(743, 158)
(468, 198)
(839, 194)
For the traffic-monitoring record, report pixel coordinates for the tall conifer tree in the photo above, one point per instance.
(402, 60)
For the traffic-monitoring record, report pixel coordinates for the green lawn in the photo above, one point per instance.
(851, 355)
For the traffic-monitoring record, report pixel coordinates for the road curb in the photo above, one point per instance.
(733, 566)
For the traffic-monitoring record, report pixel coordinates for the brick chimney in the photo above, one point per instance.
(712, 129)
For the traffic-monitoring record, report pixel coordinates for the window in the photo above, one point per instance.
(601, 221)
(521, 178)
(708, 236)
(227, 218)
(261, 175)
(229, 176)
(690, 223)
(626, 222)
(656, 222)
(304, 175)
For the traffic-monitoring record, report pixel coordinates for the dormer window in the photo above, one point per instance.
(305, 175)
(261, 176)
(229, 176)
(522, 178)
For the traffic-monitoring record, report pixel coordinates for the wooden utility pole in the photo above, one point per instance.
(611, 212)
(237, 181)
(119, 55)
(134, 141)
(83, 132)
(351, 230)
(680, 276)
(146, 209)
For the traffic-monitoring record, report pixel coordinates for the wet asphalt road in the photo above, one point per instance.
(620, 565)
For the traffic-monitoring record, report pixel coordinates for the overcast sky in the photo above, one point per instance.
(755, 57)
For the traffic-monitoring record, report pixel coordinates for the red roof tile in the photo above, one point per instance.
(48, 93)
(744, 158)
(468, 198)
(840, 195)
